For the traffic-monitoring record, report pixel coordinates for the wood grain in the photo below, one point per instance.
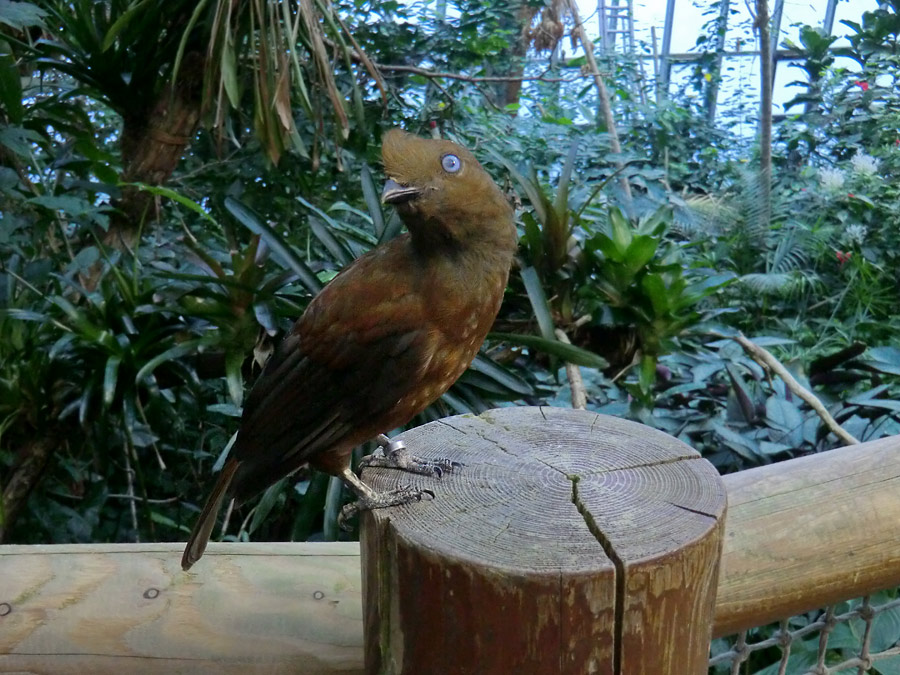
(570, 542)
(799, 534)
(810, 532)
(130, 609)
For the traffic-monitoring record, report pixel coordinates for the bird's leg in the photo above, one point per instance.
(368, 499)
(392, 454)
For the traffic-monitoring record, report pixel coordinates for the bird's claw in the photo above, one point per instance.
(403, 495)
(392, 454)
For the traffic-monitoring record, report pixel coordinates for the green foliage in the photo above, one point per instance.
(123, 370)
(642, 281)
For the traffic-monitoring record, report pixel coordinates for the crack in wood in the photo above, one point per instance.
(645, 465)
(690, 510)
(617, 562)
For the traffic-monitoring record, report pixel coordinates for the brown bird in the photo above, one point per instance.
(384, 339)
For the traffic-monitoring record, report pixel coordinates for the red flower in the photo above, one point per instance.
(843, 257)
(850, 195)
(863, 85)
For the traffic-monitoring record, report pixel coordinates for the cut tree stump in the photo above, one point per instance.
(570, 542)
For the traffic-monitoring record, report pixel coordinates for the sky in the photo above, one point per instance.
(742, 74)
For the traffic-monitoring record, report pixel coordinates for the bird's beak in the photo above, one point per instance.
(394, 193)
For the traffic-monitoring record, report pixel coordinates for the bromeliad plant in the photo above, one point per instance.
(642, 282)
(622, 289)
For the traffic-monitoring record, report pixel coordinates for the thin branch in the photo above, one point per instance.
(363, 58)
(588, 46)
(764, 358)
(573, 372)
(167, 500)
(227, 519)
(424, 72)
(356, 55)
(129, 476)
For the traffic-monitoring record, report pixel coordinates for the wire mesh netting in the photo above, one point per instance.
(859, 636)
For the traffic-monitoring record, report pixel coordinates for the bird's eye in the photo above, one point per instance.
(451, 163)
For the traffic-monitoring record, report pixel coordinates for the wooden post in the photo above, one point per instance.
(570, 542)
(800, 535)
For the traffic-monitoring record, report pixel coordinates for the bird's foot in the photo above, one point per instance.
(380, 500)
(393, 455)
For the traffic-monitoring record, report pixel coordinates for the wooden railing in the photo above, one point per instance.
(798, 535)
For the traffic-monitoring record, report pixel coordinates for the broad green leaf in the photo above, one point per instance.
(532, 190)
(878, 403)
(561, 204)
(801, 659)
(280, 248)
(373, 201)
(328, 240)
(533, 239)
(25, 315)
(333, 502)
(121, 23)
(325, 235)
(886, 666)
(10, 84)
(229, 409)
(656, 290)
(393, 227)
(185, 35)
(176, 352)
(75, 206)
(110, 378)
(784, 415)
(769, 448)
(233, 376)
(168, 193)
(885, 359)
(746, 447)
(885, 630)
(621, 232)
(569, 353)
(861, 399)
(539, 304)
(640, 252)
(165, 521)
(702, 289)
(229, 71)
(647, 373)
(862, 198)
(21, 15)
(501, 375)
(608, 248)
(223, 456)
(266, 503)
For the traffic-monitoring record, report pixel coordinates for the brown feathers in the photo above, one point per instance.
(388, 335)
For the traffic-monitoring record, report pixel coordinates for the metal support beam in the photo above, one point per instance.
(665, 64)
(775, 35)
(828, 24)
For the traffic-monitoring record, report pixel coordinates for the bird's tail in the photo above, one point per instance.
(200, 535)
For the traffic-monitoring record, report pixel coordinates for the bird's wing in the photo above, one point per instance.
(336, 379)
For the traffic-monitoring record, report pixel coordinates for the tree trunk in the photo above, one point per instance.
(517, 23)
(152, 145)
(25, 475)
